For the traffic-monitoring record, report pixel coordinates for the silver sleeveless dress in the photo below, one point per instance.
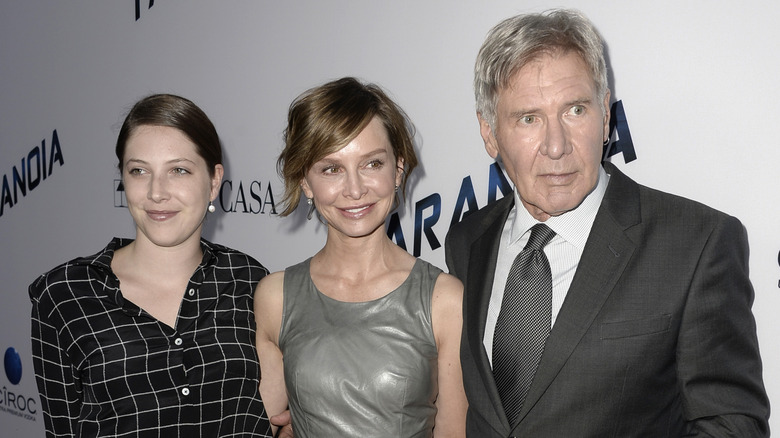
(360, 369)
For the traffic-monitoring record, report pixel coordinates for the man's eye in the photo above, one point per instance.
(528, 119)
(577, 110)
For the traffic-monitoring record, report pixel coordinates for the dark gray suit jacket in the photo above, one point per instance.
(655, 337)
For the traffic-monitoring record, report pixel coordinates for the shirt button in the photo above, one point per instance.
(178, 341)
(191, 292)
(185, 391)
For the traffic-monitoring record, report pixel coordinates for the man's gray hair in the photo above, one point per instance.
(518, 40)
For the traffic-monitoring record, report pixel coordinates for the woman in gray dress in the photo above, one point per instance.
(361, 339)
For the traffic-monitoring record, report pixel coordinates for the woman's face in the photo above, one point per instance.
(354, 188)
(167, 184)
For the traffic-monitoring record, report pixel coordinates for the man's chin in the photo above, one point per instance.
(544, 210)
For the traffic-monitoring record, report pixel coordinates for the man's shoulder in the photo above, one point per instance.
(670, 208)
(654, 202)
(474, 223)
(493, 211)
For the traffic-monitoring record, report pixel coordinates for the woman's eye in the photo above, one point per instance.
(180, 171)
(136, 171)
(330, 170)
(375, 164)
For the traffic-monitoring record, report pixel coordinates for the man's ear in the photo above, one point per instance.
(486, 131)
(606, 116)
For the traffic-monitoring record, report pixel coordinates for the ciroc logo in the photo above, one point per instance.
(12, 402)
(13, 366)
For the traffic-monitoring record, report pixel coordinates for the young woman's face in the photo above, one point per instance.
(167, 184)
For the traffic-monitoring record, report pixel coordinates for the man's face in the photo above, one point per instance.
(549, 130)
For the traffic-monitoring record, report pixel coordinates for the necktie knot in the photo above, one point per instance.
(541, 235)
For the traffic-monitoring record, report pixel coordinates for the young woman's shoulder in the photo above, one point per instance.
(76, 275)
(233, 257)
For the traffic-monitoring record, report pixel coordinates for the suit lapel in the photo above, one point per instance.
(605, 257)
(481, 273)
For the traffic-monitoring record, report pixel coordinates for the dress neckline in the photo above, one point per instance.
(325, 296)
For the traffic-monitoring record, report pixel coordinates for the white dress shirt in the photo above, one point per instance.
(564, 250)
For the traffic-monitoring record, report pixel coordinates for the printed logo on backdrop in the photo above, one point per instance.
(250, 197)
(13, 402)
(32, 170)
(119, 194)
(618, 124)
(427, 211)
(138, 8)
(255, 197)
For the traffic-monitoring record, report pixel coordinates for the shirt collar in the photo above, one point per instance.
(103, 258)
(573, 226)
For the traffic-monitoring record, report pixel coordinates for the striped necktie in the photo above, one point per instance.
(523, 322)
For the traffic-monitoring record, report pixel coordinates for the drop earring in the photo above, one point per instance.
(311, 208)
(211, 208)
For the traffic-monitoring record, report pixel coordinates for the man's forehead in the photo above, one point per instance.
(576, 87)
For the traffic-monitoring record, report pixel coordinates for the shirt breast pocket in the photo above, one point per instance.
(229, 341)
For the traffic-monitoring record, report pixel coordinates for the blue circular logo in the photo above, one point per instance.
(13, 366)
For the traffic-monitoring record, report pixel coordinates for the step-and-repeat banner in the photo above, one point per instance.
(697, 81)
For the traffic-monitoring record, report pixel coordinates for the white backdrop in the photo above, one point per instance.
(697, 80)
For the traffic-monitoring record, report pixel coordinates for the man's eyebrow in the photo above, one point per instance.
(523, 111)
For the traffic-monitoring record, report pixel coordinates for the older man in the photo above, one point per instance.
(594, 306)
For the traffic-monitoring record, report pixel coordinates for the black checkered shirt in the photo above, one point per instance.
(105, 367)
